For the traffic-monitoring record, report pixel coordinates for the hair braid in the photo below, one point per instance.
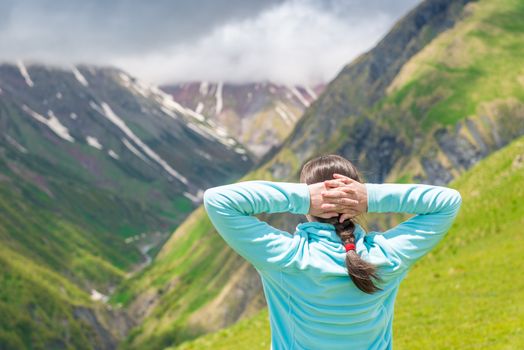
(360, 271)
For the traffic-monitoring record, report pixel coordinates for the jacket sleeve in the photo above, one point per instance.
(231, 208)
(435, 207)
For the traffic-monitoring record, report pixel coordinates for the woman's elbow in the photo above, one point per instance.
(209, 197)
(455, 198)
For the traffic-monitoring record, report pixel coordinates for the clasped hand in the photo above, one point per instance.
(341, 196)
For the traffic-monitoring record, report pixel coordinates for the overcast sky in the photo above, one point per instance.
(161, 41)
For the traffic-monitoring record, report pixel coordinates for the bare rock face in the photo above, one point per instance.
(472, 139)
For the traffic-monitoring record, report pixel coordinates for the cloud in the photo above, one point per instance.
(87, 29)
(290, 42)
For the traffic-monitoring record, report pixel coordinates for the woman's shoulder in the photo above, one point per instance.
(375, 249)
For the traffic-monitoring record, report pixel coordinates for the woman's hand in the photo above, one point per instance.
(344, 196)
(317, 201)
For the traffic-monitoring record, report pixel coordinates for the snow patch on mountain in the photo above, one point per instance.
(299, 96)
(196, 198)
(218, 96)
(311, 92)
(15, 144)
(191, 197)
(199, 108)
(93, 142)
(53, 123)
(113, 154)
(135, 85)
(24, 73)
(201, 131)
(286, 110)
(169, 112)
(117, 121)
(221, 131)
(174, 109)
(204, 88)
(81, 79)
(135, 151)
(169, 105)
(284, 116)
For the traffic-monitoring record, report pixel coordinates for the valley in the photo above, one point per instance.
(105, 243)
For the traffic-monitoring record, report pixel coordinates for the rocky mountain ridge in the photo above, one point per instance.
(260, 115)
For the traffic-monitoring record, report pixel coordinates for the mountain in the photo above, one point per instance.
(461, 289)
(259, 115)
(442, 90)
(96, 170)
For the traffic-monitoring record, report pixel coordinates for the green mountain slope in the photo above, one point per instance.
(467, 293)
(88, 193)
(47, 268)
(43, 310)
(434, 97)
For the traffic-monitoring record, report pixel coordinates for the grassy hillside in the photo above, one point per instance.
(43, 310)
(427, 117)
(47, 267)
(467, 293)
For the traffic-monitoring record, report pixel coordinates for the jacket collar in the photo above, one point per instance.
(324, 230)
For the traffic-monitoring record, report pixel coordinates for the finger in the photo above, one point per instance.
(347, 190)
(328, 206)
(334, 207)
(342, 198)
(339, 208)
(333, 183)
(348, 202)
(343, 178)
(328, 215)
(344, 202)
(345, 217)
(351, 212)
(333, 193)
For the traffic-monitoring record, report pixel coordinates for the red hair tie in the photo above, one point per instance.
(349, 246)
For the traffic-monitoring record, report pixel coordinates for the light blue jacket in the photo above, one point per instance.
(312, 302)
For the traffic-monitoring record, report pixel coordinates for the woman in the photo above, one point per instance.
(312, 303)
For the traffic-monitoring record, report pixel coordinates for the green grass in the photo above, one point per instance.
(37, 307)
(465, 294)
(478, 60)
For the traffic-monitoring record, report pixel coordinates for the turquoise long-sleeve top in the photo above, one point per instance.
(312, 302)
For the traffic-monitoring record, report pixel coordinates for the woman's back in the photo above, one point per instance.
(312, 302)
(323, 309)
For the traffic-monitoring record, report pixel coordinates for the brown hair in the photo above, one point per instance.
(322, 168)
